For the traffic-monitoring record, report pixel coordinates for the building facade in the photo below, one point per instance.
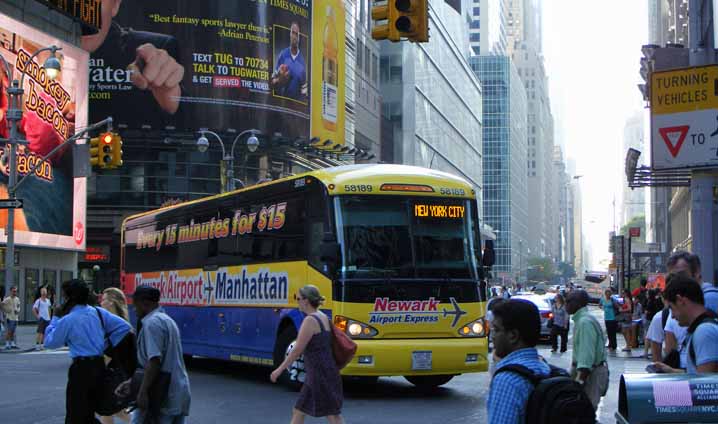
(504, 146)
(487, 32)
(539, 162)
(632, 202)
(432, 99)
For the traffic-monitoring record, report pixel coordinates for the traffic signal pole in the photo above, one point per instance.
(703, 183)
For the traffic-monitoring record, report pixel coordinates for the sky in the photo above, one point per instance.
(592, 51)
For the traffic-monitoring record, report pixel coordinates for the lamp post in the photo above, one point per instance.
(14, 115)
(228, 159)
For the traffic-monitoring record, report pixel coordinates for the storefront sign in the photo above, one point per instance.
(86, 11)
(97, 254)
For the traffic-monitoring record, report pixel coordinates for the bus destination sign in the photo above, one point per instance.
(438, 211)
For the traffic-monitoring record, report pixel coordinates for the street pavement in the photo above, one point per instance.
(32, 391)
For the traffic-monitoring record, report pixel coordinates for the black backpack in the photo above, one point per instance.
(707, 318)
(556, 398)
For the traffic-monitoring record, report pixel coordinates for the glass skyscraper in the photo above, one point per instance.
(505, 200)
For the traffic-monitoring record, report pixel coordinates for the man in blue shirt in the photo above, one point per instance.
(516, 328)
(290, 70)
(78, 326)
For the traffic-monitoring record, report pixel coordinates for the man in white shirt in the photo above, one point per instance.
(41, 309)
(11, 306)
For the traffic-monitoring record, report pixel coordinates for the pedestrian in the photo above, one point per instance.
(516, 328)
(685, 297)
(627, 320)
(322, 394)
(41, 309)
(656, 333)
(114, 301)
(560, 324)
(505, 293)
(588, 365)
(79, 326)
(675, 334)
(159, 350)
(710, 290)
(611, 312)
(11, 306)
(637, 322)
(2, 310)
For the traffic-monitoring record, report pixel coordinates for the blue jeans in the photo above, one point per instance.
(137, 417)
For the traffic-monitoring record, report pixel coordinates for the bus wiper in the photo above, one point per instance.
(381, 271)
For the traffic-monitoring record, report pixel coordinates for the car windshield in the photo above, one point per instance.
(402, 237)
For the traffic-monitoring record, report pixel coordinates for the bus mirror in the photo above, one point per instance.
(489, 256)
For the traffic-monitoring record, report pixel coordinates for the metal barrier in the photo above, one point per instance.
(668, 398)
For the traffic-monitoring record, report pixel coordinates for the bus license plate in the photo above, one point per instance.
(421, 360)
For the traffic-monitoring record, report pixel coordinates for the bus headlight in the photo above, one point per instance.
(355, 329)
(475, 328)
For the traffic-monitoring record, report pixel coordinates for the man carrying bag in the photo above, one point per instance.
(161, 381)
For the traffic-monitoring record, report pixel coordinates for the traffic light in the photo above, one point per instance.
(404, 19)
(116, 150)
(106, 151)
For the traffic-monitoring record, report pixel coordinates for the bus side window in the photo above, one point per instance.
(316, 224)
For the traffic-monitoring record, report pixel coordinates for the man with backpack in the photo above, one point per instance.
(685, 298)
(524, 388)
(588, 365)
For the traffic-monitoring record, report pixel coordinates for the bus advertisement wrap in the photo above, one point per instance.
(53, 212)
(209, 64)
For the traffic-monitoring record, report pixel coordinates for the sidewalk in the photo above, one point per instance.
(25, 338)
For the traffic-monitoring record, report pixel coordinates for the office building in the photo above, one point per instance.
(504, 147)
(432, 99)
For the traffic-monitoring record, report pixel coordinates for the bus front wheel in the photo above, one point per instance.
(428, 381)
(293, 377)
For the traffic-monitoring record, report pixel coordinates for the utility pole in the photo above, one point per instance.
(702, 45)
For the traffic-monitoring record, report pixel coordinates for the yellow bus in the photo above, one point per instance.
(395, 250)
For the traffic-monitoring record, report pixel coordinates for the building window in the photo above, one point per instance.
(475, 37)
(477, 11)
(477, 50)
(375, 68)
(360, 53)
(367, 61)
(476, 24)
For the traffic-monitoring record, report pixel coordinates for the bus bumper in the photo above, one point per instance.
(387, 357)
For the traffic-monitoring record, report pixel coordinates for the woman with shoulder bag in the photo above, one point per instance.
(322, 394)
(114, 301)
(627, 320)
(559, 325)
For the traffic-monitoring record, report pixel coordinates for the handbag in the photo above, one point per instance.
(157, 392)
(343, 347)
(107, 402)
(673, 359)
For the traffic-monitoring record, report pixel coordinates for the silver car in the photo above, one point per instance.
(543, 303)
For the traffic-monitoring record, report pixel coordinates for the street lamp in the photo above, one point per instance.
(14, 115)
(228, 159)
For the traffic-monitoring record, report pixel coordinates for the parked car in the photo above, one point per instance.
(544, 306)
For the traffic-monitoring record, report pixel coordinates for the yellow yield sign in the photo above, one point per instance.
(684, 90)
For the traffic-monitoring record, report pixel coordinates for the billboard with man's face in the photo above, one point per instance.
(203, 64)
(53, 214)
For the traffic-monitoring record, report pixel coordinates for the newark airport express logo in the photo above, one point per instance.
(413, 311)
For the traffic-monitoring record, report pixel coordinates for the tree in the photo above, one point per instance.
(566, 270)
(637, 221)
(540, 269)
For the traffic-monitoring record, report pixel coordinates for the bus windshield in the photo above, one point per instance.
(405, 237)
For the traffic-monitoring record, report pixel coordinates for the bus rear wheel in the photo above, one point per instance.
(428, 381)
(293, 377)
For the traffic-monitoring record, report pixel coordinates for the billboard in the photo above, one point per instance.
(219, 64)
(53, 214)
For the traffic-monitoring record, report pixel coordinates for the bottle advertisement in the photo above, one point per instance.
(328, 69)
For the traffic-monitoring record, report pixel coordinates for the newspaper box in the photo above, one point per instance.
(668, 398)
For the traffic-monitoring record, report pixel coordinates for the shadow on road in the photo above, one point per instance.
(354, 388)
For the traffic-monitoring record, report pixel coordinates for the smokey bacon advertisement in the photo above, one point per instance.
(49, 110)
